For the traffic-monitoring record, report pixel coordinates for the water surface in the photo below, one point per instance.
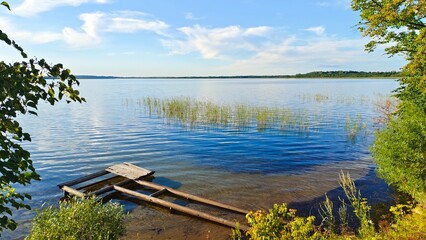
(247, 168)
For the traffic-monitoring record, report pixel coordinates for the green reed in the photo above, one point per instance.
(355, 126)
(191, 112)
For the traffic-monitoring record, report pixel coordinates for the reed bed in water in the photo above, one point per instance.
(190, 112)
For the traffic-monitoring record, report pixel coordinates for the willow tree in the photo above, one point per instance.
(23, 85)
(400, 148)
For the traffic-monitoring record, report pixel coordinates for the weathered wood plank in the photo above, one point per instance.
(180, 208)
(83, 179)
(73, 191)
(158, 193)
(129, 171)
(103, 181)
(191, 197)
(110, 188)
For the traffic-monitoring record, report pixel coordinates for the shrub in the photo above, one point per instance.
(83, 218)
(400, 152)
(361, 208)
(410, 223)
(280, 223)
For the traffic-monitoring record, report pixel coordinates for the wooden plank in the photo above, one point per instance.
(129, 171)
(83, 179)
(180, 208)
(110, 188)
(98, 183)
(158, 193)
(192, 197)
(73, 191)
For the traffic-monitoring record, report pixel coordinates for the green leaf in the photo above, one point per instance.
(6, 5)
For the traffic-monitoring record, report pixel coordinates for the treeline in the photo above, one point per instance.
(317, 74)
(349, 74)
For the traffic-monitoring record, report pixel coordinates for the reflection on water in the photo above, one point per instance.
(249, 169)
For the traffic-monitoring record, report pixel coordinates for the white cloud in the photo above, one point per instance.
(30, 8)
(130, 25)
(319, 30)
(26, 36)
(190, 16)
(293, 55)
(257, 31)
(97, 23)
(89, 36)
(264, 50)
(214, 42)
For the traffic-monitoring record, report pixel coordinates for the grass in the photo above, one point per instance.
(189, 112)
(355, 126)
(85, 218)
(280, 222)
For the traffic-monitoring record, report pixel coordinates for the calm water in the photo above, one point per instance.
(247, 168)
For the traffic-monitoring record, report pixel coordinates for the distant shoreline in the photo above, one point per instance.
(328, 74)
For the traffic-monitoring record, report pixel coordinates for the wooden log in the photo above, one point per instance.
(98, 183)
(180, 208)
(73, 191)
(158, 193)
(83, 179)
(192, 197)
(111, 187)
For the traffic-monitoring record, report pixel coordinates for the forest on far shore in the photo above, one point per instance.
(316, 74)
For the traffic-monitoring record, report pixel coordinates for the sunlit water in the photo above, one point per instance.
(245, 167)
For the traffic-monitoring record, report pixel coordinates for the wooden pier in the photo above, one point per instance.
(125, 174)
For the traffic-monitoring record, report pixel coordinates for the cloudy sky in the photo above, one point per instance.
(191, 37)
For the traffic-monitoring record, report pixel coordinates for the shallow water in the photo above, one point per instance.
(246, 168)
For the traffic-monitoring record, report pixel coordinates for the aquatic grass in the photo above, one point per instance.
(355, 126)
(190, 112)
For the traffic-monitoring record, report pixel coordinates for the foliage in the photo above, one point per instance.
(361, 209)
(22, 86)
(347, 74)
(400, 26)
(236, 232)
(316, 74)
(410, 223)
(79, 218)
(400, 152)
(280, 223)
(343, 216)
(326, 213)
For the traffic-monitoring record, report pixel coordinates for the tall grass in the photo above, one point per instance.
(189, 112)
(85, 218)
(355, 126)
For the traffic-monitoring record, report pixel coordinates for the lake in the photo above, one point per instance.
(244, 167)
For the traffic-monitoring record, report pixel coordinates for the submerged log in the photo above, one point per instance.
(191, 197)
(180, 208)
(73, 191)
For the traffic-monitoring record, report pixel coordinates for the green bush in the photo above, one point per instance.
(400, 152)
(85, 218)
(280, 223)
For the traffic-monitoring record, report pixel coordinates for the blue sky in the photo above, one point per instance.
(192, 37)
